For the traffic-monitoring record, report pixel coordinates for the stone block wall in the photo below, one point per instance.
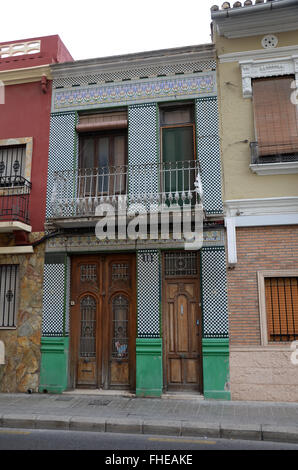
(263, 374)
(22, 344)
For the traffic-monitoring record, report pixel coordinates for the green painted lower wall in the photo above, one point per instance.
(216, 371)
(54, 365)
(149, 367)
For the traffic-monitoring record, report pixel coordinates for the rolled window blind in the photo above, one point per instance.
(102, 121)
(276, 117)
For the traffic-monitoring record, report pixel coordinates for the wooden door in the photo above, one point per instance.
(182, 322)
(103, 321)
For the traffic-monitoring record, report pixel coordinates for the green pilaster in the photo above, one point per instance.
(149, 367)
(216, 368)
(54, 364)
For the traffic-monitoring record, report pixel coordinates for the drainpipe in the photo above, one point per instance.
(2, 354)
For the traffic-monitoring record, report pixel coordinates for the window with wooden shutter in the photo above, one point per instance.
(281, 295)
(276, 117)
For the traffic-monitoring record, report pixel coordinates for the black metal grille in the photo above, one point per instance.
(181, 264)
(12, 165)
(257, 159)
(282, 308)
(8, 295)
(88, 327)
(120, 328)
(14, 200)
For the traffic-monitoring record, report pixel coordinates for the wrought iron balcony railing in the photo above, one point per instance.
(77, 193)
(14, 199)
(274, 157)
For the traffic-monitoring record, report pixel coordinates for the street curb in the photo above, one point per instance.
(271, 433)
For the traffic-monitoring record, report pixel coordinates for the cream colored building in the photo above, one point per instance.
(257, 53)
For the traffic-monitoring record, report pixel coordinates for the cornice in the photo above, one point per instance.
(248, 207)
(263, 18)
(266, 68)
(132, 61)
(258, 54)
(25, 75)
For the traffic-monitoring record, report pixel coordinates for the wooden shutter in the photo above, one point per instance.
(282, 308)
(276, 117)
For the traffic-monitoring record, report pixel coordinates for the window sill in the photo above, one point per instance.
(7, 328)
(275, 168)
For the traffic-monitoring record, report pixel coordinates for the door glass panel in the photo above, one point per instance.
(120, 327)
(119, 170)
(103, 164)
(87, 153)
(88, 327)
(177, 151)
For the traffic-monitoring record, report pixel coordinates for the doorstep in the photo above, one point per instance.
(182, 396)
(100, 392)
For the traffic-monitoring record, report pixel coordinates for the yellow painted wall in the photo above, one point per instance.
(237, 128)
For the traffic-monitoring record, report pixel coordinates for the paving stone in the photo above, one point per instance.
(128, 425)
(241, 431)
(18, 421)
(52, 422)
(280, 433)
(82, 423)
(162, 427)
(199, 429)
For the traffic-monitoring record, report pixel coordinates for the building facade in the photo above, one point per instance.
(135, 137)
(25, 103)
(256, 46)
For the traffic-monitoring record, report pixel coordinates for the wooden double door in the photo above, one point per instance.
(103, 321)
(182, 322)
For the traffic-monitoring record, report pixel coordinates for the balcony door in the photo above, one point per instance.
(103, 321)
(102, 162)
(178, 151)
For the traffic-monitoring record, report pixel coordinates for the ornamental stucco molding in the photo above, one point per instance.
(134, 91)
(266, 68)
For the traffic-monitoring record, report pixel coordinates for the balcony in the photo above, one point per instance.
(77, 193)
(273, 164)
(14, 204)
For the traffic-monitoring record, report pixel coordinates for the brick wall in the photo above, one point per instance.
(258, 248)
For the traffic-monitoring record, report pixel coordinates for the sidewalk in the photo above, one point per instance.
(175, 417)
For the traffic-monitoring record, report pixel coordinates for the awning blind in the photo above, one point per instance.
(276, 117)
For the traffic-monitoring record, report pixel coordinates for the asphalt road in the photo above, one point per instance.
(27, 439)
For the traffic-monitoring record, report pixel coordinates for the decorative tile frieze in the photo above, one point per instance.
(145, 90)
(133, 72)
(89, 242)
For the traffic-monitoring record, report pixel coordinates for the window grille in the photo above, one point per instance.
(8, 295)
(282, 308)
(181, 264)
(88, 272)
(120, 272)
(12, 165)
(120, 328)
(88, 327)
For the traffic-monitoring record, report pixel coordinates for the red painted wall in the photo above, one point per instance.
(26, 113)
(52, 50)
